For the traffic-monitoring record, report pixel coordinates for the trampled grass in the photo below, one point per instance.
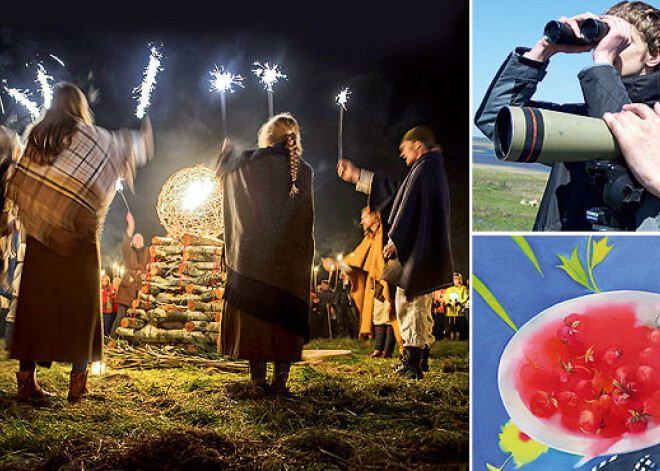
(497, 193)
(347, 413)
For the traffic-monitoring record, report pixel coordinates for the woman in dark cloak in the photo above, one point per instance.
(269, 222)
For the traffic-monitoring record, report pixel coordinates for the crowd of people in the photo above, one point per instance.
(58, 193)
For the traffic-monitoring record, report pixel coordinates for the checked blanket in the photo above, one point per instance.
(65, 203)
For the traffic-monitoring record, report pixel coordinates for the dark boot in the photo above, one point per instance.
(28, 388)
(426, 354)
(390, 342)
(379, 341)
(413, 366)
(280, 377)
(258, 381)
(404, 361)
(77, 387)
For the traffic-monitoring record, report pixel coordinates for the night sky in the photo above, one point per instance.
(405, 66)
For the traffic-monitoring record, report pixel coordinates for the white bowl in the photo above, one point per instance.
(549, 431)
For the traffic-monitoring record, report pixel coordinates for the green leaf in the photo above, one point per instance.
(492, 468)
(522, 243)
(492, 302)
(574, 268)
(600, 251)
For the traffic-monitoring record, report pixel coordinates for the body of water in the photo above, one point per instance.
(483, 153)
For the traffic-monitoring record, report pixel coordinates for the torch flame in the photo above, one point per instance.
(224, 81)
(268, 75)
(148, 83)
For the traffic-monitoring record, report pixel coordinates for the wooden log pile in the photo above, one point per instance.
(181, 298)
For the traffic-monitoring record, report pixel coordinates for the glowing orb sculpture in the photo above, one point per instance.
(190, 202)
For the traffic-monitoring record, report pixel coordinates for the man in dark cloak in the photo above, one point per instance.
(416, 207)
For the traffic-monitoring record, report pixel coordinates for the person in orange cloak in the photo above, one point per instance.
(366, 265)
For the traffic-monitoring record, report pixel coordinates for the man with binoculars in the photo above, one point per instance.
(626, 58)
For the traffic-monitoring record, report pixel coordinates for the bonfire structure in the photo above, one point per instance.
(181, 297)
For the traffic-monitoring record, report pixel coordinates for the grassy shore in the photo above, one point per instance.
(497, 193)
(347, 413)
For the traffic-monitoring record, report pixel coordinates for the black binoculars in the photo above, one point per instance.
(591, 31)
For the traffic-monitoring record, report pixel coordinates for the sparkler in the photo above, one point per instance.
(57, 59)
(268, 75)
(46, 88)
(222, 82)
(119, 187)
(22, 98)
(148, 83)
(341, 100)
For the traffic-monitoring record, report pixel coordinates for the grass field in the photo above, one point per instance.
(496, 196)
(349, 413)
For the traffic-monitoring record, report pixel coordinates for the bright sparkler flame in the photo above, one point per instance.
(119, 186)
(196, 193)
(46, 88)
(342, 98)
(22, 98)
(148, 83)
(268, 75)
(224, 81)
(57, 59)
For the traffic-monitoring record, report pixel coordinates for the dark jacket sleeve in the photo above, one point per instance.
(514, 85)
(383, 191)
(603, 90)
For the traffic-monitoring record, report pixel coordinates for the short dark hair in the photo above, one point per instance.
(422, 134)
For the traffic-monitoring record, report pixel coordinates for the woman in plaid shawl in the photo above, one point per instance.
(63, 186)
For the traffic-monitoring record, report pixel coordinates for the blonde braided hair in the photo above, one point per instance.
(294, 162)
(284, 128)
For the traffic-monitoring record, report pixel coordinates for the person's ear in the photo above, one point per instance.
(653, 60)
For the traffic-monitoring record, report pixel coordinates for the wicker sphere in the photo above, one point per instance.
(190, 202)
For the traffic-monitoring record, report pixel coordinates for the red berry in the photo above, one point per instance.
(646, 377)
(652, 405)
(572, 320)
(636, 423)
(542, 404)
(621, 397)
(589, 421)
(650, 355)
(623, 374)
(613, 357)
(564, 333)
(654, 336)
(603, 382)
(567, 401)
(585, 390)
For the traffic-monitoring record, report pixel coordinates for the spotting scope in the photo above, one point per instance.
(533, 135)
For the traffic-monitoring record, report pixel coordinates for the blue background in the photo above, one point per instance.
(498, 27)
(633, 263)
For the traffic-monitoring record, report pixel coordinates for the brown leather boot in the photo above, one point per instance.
(77, 387)
(28, 388)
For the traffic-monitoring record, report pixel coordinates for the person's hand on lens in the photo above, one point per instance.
(637, 131)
